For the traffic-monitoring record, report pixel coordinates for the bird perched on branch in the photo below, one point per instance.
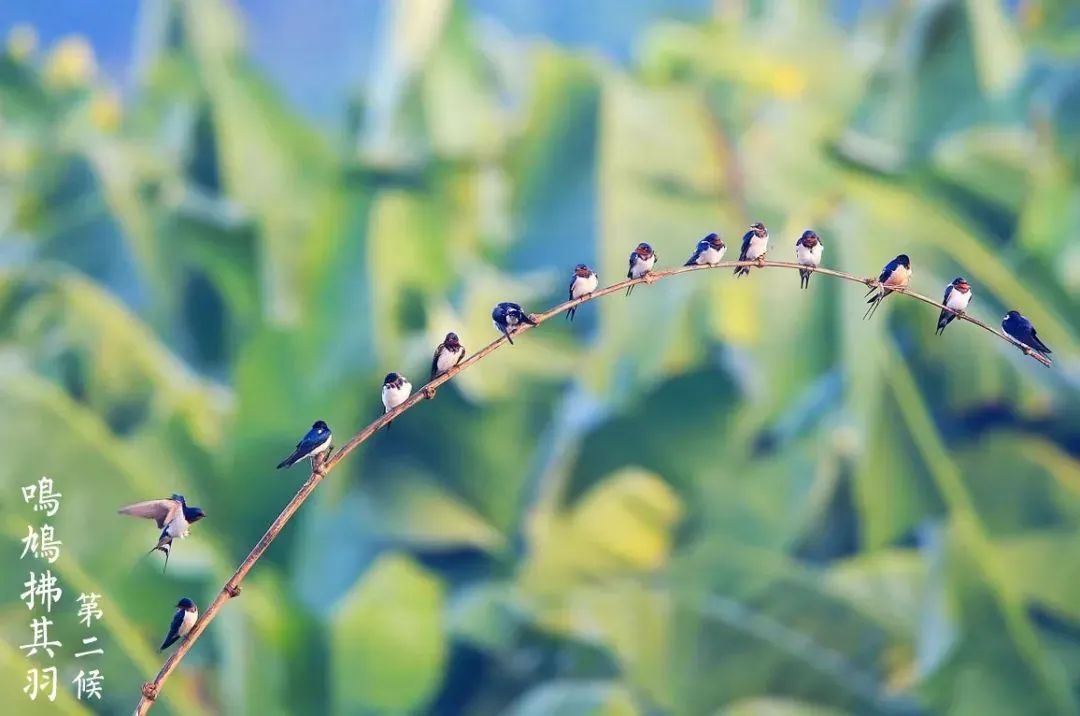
(395, 391)
(185, 617)
(808, 250)
(957, 297)
(642, 260)
(315, 444)
(173, 517)
(507, 317)
(896, 274)
(582, 282)
(1021, 329)
(755, 244)
(447, 355)
(708, 252)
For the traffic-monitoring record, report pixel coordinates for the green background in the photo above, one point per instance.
(713, 497)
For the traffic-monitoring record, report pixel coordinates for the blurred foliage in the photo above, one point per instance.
(713, 497)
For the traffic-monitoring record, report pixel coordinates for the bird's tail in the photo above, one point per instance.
(630, 288)
(690, 262)
(874, 303)
(943, 320)
(741, 271)
(164, 545)
(169, 641)
(570, 314)
(506, 332)
(289, 461)
(526, 318)
(804, 278)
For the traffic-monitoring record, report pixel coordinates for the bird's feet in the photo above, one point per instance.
(760, 261)
(149, 691)
(429, 392)
(648, 278)
(233, 590)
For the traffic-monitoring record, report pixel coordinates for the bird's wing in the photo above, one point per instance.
(174, 629)
(309, 441)
(633, 260)
(948, 292)
(700, 249)
(746, 239)
(886, 272)
(570, 291)
(435, 360)
(1037, 343)
(161, 511)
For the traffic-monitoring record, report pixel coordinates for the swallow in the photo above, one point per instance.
(755, 244)
(186, 616)
(896, 274)
(957, 297)
(447, 355)
(582, 282)
(316, 442)
(642, 260)
(708, 252)
(395, 391)
(808, 251)
(173, 517)
(1021, 329)
(507, 316)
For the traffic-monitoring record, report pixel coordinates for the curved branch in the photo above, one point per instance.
(231, 588)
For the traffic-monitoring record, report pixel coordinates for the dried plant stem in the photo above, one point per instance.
(231, 588)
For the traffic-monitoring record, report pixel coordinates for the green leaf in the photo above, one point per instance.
(387, 646)
(576, 698)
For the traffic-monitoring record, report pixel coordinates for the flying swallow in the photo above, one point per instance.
(508, 316)
(642, 260)
(173, 517)
(896, 274)
(808, 251)
(755, 244)
(1021, 329)
(447, 355)
(186, 616)
(395, 391)
(316, 442)
(709, 252)
(957, 297)
(583, 282)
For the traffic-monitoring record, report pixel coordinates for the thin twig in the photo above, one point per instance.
(231, 588)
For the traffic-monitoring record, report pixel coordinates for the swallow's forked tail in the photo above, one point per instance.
(162, 546)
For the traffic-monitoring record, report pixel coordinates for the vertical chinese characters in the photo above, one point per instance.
(42, 591)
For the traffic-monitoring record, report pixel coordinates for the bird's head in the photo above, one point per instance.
(451, 340)
(809, 239)
(1012, 315)
(643, 250)
(904, 261)
(320, 426)
(392, 380)
(960, 283)
(186, 604)
(715, 241)
(582, 271)
(193, 514)
(759, 229)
